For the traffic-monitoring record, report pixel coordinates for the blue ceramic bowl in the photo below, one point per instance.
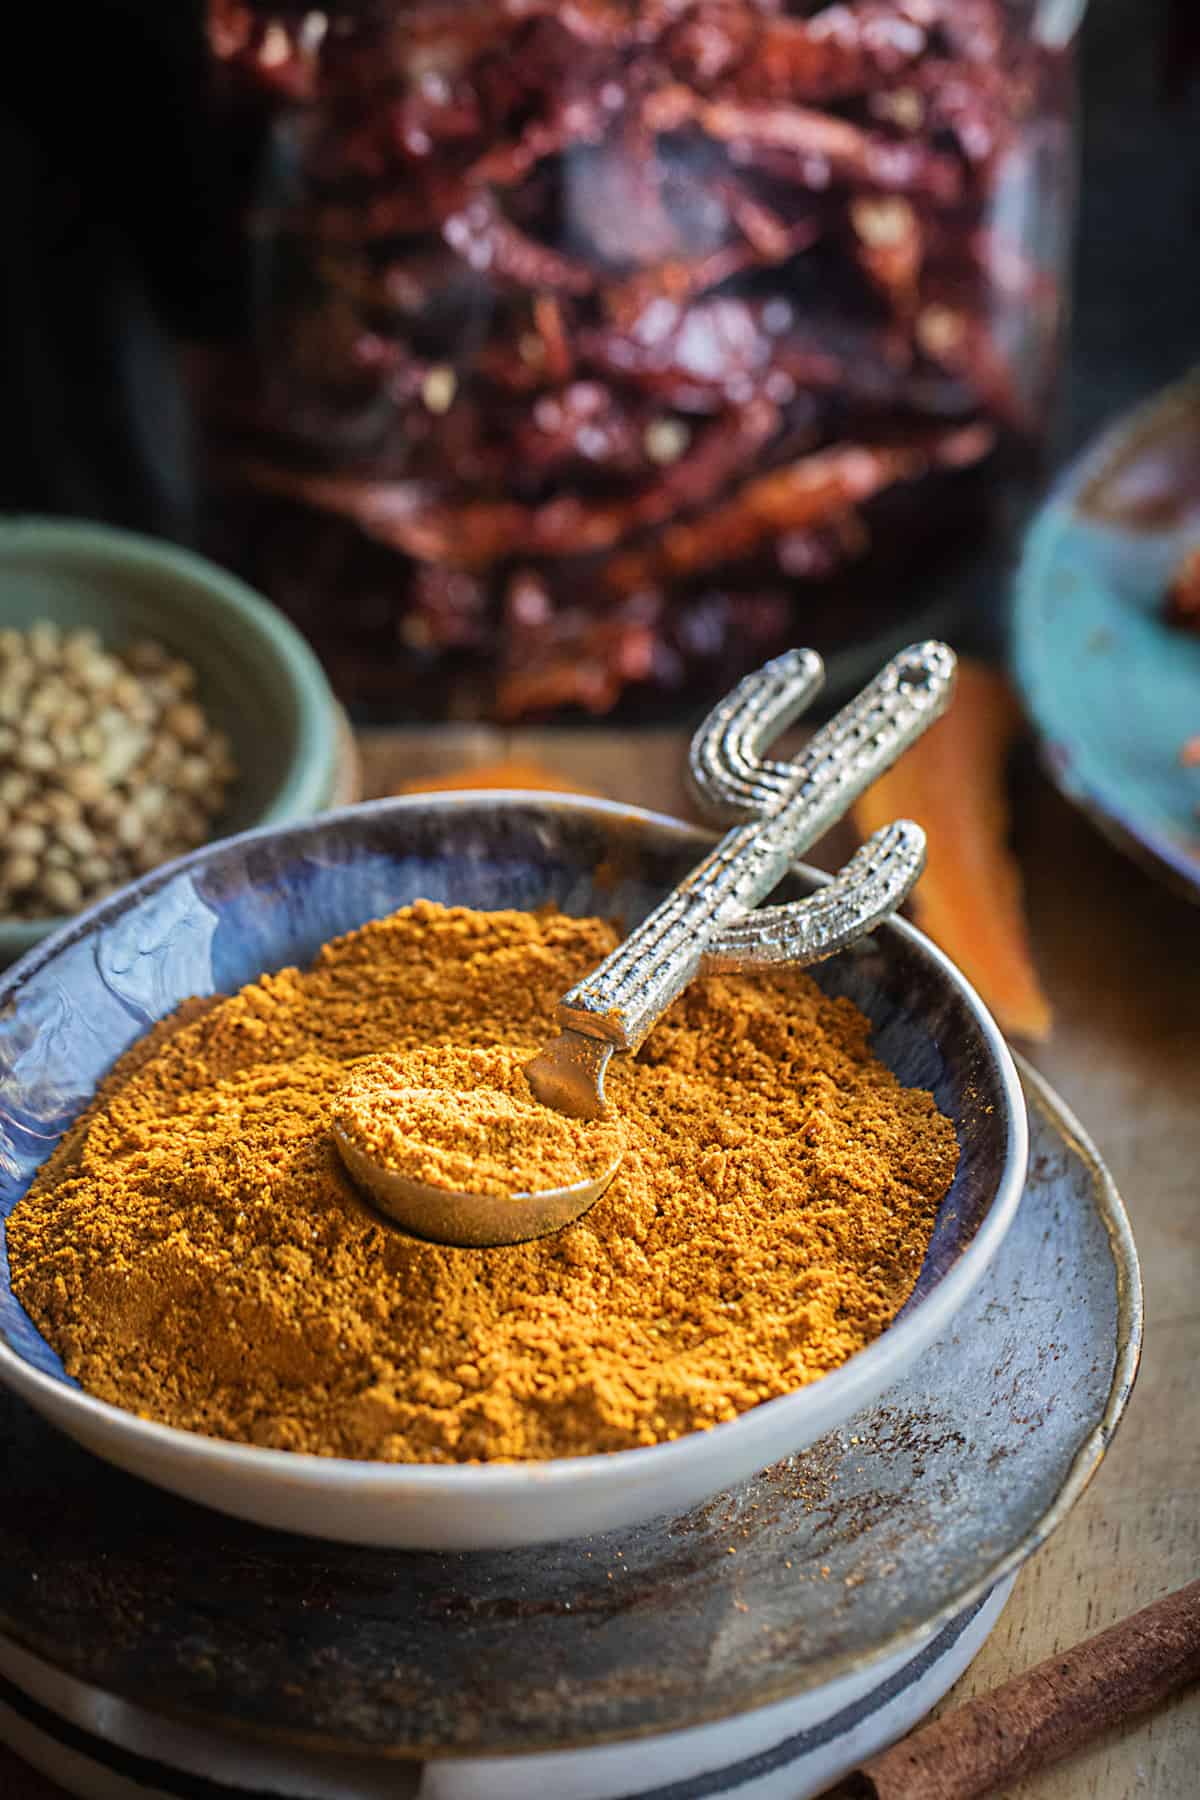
(219, 918)
(258, 680)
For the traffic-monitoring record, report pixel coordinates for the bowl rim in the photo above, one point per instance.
(850, 1381)
(75, 543)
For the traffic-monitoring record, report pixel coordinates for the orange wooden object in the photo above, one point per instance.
(969, 899)
(495, 775)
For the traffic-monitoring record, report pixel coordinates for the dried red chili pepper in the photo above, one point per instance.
(836, 54)
(844, 150)
(475, 534)
(485, 239)
(812, 491)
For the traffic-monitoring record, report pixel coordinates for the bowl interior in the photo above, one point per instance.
(258, 680)
(271, 898)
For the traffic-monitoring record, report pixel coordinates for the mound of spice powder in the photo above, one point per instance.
(468, 1121)
(196, 1253)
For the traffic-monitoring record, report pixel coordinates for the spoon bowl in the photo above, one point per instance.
(473, 1221)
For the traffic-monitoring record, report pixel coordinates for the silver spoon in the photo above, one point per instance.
(709, 923)
(475, 1221)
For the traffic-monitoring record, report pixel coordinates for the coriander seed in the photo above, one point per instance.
(108, 765)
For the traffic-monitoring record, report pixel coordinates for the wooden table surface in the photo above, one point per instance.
(1120, 960)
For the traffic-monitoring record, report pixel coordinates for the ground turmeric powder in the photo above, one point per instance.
(196, 1253)
(467, 1120)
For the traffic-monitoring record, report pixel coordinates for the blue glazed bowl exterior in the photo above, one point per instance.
(219, 918)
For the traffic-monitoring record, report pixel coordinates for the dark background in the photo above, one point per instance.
(116, 191)
(1137, 288)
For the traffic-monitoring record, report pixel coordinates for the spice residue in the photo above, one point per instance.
(466, 1120)
(196, 1253)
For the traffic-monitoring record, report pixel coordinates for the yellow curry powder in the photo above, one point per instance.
(196, 1253)
(465, 1119)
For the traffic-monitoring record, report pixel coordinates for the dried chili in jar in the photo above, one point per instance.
(604, 346)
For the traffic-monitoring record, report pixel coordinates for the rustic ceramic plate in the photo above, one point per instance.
(220, 917)
(1113, 690)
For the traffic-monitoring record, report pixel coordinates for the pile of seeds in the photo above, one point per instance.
(108, 766)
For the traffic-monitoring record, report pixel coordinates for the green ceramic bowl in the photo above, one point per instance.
(258, 680)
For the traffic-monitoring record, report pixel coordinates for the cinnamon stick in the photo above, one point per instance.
(989, 1743)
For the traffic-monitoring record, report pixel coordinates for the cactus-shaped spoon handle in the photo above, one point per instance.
(712, 920)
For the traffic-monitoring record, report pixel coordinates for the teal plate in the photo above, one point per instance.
(1113, 690)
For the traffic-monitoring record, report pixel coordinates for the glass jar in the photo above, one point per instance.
(602, 348)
